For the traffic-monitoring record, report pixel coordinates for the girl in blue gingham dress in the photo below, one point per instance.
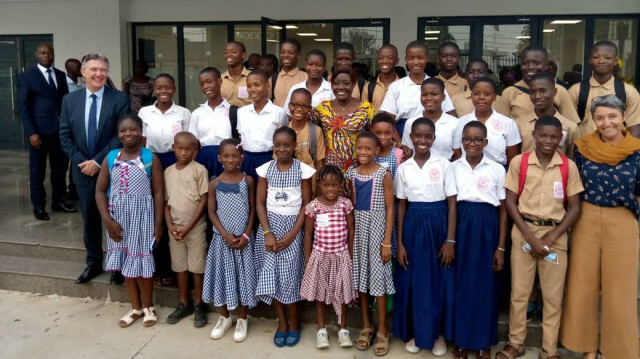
(284, 189)
(230, 277)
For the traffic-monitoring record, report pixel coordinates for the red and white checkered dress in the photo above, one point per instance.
(328, 276)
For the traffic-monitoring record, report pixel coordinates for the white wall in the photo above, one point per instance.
(80, 26)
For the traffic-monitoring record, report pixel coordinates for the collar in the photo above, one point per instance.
(432, 158)
(535, 117)
(378, 82)
(408, 81)
(464, 161)
(99, 93)
(454, 80)
(494, 114)
(556, 160)
(245, 72)
(326, 85)
(171, 109)
(521, 83)
(224, 104)
(268, 108)
(291, 73)
(44, 69)
(607, 85)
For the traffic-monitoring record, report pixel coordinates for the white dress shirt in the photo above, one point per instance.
(256, 129)
(46, 75)
(484, 184)
(445, 132)
(426, 184)
(403, 99)
(211, 125)
(502, 132)
(160, 128)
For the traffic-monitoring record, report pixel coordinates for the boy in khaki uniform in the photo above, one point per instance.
(448, 60)
(603, 59)
(543, 90)
(540, 221)
(186, 188)
(290, 74)
(387, 61)
(234, 80)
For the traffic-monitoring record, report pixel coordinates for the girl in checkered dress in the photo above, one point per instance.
(372, 195)
(284, 189)
(328, 274)
(230, 278)
(132, 214)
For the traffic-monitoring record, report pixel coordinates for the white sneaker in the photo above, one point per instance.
(221, 327)
(344, 338)
(241, 331)
(322, 339)
(411, 347)
(439, 347)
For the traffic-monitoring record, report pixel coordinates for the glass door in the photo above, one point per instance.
(17, 54)
(366, 36)
(273, 31)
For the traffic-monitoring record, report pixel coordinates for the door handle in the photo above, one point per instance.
(13, 100)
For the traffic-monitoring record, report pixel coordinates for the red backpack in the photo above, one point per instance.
(564, 172)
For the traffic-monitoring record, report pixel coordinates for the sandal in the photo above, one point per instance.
(366, 336)
(130, 317)
(384, 345)
(545, 355)
(505, 352)
(459, 353)
(150, 318)
(484, 354)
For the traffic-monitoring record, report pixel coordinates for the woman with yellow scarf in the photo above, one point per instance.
(604, 241)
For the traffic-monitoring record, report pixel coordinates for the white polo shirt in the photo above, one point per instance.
(502, 132)
(484, 184)
(403, 99)
(426, 184)
(211, 125)
(256, 129)
(160, 128)
(445, 132)
(323, 93)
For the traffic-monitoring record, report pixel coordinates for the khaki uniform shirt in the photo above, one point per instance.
(378, 93)
(570, 133)
(183, 190)
(454, 85)
(284, 83)
(235, 92)
(519, 103)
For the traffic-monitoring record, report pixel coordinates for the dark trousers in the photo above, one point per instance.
(92, 220)
(58, 164)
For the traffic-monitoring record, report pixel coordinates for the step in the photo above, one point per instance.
(50, 276)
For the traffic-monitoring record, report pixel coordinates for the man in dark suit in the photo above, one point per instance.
(40, 92)
(87, 133)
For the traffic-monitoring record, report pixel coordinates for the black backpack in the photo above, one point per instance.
(618, 86)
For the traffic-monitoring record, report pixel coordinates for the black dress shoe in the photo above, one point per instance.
(63, 207)
(116, 278)
(89, 273)
(41, 214)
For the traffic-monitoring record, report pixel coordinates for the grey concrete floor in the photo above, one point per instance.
(37, 326)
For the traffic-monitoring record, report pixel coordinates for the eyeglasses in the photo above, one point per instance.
(476, 141)
(294, 105)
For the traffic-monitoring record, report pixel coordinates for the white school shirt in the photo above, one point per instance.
(256, 129)
(160, 128)
(323, 93)
(502, 132)
(289, 200)
(484, 184)
(445, 132)
(403, 99)
(211, 125)
(426, 184)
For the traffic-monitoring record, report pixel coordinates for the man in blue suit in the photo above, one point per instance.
(40, 92)
(87, 133)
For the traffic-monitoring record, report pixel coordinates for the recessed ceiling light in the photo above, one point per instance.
(323, 40)
(275, 27)
(566, 22)
(272, 40)
(548, 30)
(307, 34)
(432, 32)
(291, 27)
(523, 37)
(431, 38)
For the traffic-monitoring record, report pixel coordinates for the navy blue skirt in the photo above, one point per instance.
(400, 125)
(166, 159)
(253, 160)
(208, 157)
(477, 285)
(423, 304)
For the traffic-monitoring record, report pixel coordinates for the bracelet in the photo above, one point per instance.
(246, 236)
(268, 230)
(501, 249)
(450, 241)
(385, 245)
